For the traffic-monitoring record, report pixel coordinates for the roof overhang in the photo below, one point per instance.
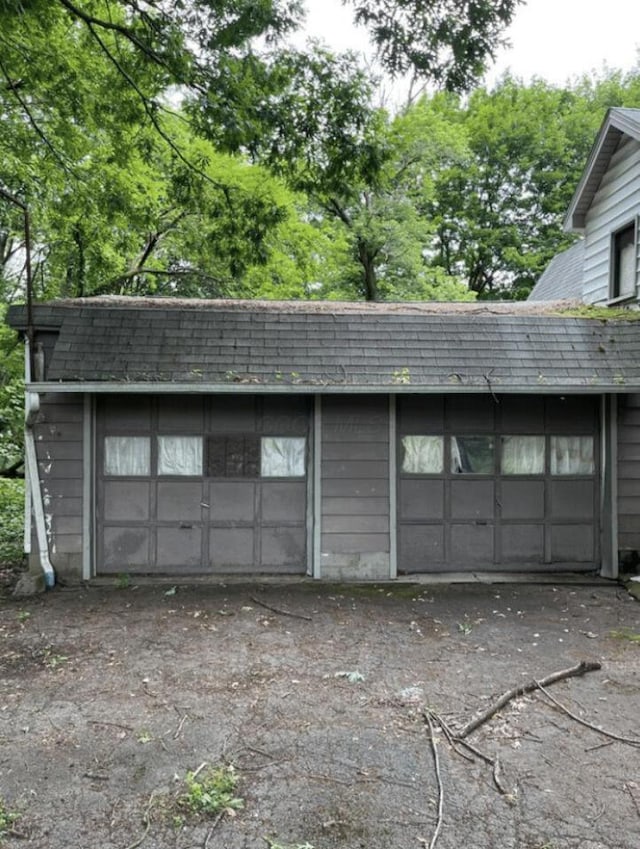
(486, 388)
(618, 122)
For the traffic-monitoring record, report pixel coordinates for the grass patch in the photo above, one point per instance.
(625, 634)
(211, 791)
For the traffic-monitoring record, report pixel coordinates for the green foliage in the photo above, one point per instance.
(7, 819)
(446, 41)
(11, 521)
(498, 210)
(211, 791)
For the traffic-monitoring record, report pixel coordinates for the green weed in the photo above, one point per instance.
(7, 819)
(211, 791)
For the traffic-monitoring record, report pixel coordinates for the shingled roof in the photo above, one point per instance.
(105, 344)
(562, 278)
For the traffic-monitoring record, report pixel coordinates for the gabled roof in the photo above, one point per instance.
(562, 278)
(137, 345)
(618, 122)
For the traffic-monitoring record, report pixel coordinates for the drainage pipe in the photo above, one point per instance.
(34, 491)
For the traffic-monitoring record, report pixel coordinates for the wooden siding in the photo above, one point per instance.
(629, 474)
(616, 203)
(355, 475)
(59, 444)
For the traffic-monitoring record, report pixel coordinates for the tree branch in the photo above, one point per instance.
(574, 671)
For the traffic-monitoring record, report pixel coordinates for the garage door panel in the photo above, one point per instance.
(126, 500)
(231, 547)
(284, 501)
(572, 543)
(522, 544)
(522, 499)
(421, 499)
(472, 499)
(421, 547)
(125, 549)
(233, 501)
(179, 548)
(284, 548)
(572, 499)
(179, 501)
(472, 546)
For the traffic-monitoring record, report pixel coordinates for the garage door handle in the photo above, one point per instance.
(481, 522)
(186, 525)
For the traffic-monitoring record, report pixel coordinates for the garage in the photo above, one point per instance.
(201, 484)
(508, 482)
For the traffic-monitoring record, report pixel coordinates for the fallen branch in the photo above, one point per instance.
(279, 611)
(454, 742)
(205, 845)
(436, 763)
(630, 741)
(574, 671)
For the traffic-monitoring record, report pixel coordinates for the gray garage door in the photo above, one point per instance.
(202, 485)
(505, 483)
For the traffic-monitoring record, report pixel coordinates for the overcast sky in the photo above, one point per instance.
(553, 39)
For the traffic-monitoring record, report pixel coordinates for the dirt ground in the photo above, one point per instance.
(108, 696)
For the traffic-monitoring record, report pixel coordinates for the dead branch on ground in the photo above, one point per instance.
(574, 671)
(630, 741)
(279, 611)
(436, 764)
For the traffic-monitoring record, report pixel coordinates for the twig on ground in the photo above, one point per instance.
(632, 789)
(279, 611)
(178, 730)
(580, 669)
(436, 764)
(146, 819)
(214, 825)
(113, 724)
(630, 741)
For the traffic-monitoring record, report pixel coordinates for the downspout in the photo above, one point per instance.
(34, 491)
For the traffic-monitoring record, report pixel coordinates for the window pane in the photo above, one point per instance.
(422, 455)
(283, 457)
(234, 456)
(522, 455)
(127, 455)
(179, 455)
(472, 455)
(572, 455)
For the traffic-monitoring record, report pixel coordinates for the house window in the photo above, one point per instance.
(127, 456)
(422, 455)
(472, 455)
(572, 455)
(179, 455)
(522, 455)
(624, 258)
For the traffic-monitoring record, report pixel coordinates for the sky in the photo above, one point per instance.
(552, 39)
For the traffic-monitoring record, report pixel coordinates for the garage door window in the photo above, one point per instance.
(422, 455)
(572, 455)
(179, 455)
(522, 455)
(282, 457)
(127, 456)
(472, 455)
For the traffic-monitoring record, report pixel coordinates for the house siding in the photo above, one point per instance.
(58, 433)
(629, 474)
(616, 203)
(355, 491)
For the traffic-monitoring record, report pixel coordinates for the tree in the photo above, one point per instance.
(498, 210)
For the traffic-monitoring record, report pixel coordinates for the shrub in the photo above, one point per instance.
(11, 520)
